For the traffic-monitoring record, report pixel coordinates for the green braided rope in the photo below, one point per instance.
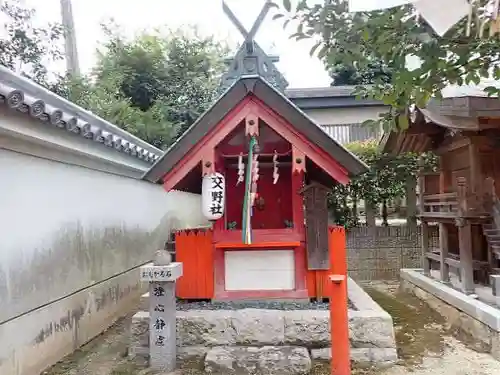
(248, 183)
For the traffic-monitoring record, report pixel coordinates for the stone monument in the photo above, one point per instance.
(161, 275)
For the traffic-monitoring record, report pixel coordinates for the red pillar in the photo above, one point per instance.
(339, 320)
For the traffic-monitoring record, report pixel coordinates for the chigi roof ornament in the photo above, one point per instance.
(250, 58)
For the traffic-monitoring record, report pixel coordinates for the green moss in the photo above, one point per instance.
(419, 329)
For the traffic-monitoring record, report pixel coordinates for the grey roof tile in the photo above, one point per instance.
(24, 95)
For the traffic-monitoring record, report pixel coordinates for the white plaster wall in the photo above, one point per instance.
(337, 116)
(65, 227)
(34, 341)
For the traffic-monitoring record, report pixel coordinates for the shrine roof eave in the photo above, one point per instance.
(425, 131)
(253, 85)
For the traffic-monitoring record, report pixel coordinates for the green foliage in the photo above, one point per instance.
(384, 181)
(25, 48)
(154, 86)
(355, 40)
(348, 75)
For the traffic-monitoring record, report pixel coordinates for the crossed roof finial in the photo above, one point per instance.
(250, 58)
(248, 35)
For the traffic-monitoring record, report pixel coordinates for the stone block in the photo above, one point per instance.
(276, 360)
(368, 329)
(310, 328)
(495, 285)
(139, 335)
(495, 345)
(205, 327)
(259, 327)
(144, 302)
(191, 353)
(365, 356)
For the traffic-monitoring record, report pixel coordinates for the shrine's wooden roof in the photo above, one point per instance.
(258, 87)
(430, 126)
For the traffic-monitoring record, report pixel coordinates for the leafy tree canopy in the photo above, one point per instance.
(391, 36)
(155, 86)
(26, 48)
(385, 180)
(349, 75)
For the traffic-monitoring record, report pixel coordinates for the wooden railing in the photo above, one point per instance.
(464, 202)
(491, 201)
(439, 205)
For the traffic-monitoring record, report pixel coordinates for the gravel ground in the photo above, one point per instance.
(425, 345)
(456, 359)
(271, 305)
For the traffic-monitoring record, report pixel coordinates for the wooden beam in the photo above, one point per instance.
(411, 142)
(454, 145)
(399, 141)
(252, 125)
(315, 153)
(425, 248)
(466, 264)
(298, 160)
(443, 247)
(209, 141)
(208, 162)
(474, 166)
(424, 128)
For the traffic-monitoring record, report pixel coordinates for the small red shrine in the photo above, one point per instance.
(263, 168)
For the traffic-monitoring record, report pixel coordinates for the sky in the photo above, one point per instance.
(134, 16)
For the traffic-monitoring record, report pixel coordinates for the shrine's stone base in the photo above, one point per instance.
(263, 341)
(225, 340)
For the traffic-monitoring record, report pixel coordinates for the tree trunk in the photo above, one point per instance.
(411, 202)
(385, 223)
(355, 210)
(370, 210)
(397, 202)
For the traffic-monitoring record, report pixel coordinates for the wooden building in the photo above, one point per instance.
(461, 198)
(266, 168)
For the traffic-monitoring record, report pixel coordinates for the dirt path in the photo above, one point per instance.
(425, 346)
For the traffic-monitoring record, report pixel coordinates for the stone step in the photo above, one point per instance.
(496, 251)
(286, 360)
(265, 328)
(144, 302)
(492, 230)
(381, 356)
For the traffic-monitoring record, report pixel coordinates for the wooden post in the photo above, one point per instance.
(465, 244)
(421, 186)
(474, 166)
(462, 197)
(411, 202)
(443, 246)
(339, 320)
(298, 172)
(425, 248)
